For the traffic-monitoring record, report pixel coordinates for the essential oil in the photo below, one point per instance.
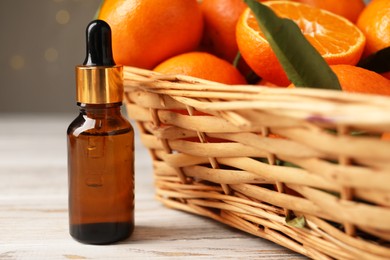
(100, 148)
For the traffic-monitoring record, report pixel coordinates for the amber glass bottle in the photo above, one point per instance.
(100, 148)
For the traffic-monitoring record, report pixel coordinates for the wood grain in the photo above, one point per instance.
(33, 207)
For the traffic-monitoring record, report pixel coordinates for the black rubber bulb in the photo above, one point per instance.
(99, 50)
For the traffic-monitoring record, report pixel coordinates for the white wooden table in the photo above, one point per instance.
(33, 207)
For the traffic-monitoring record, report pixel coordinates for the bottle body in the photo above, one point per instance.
(101, 175)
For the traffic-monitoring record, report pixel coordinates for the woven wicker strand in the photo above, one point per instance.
(250, 156)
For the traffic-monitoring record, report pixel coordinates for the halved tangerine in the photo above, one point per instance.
(338, 40)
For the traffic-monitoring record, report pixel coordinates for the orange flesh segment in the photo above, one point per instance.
(331, 35)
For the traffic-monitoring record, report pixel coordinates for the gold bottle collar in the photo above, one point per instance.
(99, 85)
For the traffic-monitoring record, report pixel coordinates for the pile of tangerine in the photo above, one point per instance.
(202, 38)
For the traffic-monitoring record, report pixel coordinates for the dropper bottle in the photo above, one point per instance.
(100, 148)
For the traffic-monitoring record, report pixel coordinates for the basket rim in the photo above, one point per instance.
(315, 105)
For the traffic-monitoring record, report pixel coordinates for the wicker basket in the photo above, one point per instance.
(255, 158)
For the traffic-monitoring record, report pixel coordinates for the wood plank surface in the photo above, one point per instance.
(33, 207)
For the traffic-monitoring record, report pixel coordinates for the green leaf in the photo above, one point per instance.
(302, 63)
(286, 164)
(251, 77)
(236, 59)
(298, 222)
(378, 62)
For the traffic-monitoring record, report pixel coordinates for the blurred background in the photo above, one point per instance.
(41, 42)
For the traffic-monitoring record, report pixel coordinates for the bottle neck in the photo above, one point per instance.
(100, 110)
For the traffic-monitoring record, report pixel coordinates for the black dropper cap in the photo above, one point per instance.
(99, 50)
(99, 80)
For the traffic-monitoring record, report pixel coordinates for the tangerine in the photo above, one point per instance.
(359, 80)
(386, 136)
(202, 65)
(220, 18)
(338, 40)
(146, 32)
(374, 22)
(356, 79)
(350, 9)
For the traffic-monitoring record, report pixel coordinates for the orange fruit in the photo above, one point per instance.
(386, 136)
(359, 80)
(146, 32)
(349, 9)
(338, 40)
(265, 83)
(356, 79)
(220, 18)
(374, 22)
(202, 65)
